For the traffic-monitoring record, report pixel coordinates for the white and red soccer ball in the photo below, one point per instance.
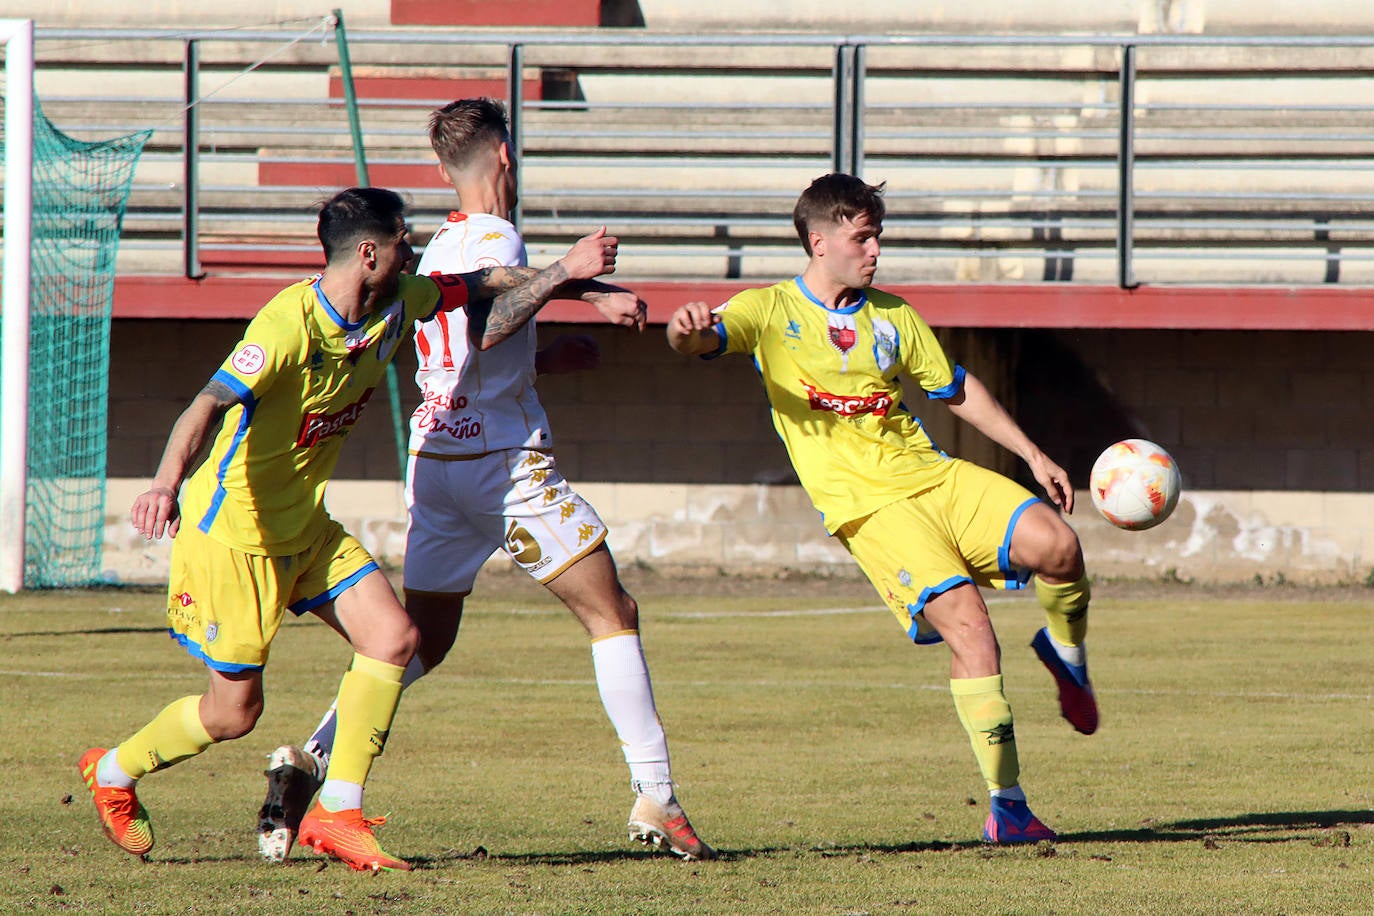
(1135, 484)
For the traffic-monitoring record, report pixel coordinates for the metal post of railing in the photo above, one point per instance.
(515, 101)
(856, 118)
(355, 124)
(190, 164)
(842, 156)
(1125, 161)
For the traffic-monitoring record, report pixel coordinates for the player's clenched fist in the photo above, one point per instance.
(694, 316)
(689, 330)
(592, 256)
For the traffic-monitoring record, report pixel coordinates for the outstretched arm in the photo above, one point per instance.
(155, 511)
(617, 304)
(691, 330)
(975, 405)
(502, 299)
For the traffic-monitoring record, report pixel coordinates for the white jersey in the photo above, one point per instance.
(474, 401)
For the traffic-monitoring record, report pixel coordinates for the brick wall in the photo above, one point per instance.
(1270, 430)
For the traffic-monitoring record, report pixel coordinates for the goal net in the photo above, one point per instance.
(79, 193)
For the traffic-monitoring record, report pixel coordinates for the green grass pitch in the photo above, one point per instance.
(814, 746)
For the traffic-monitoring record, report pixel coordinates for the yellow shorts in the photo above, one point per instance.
(224, 606)
(957, 532)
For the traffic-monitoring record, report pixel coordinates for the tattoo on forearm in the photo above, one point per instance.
(494, 321)
(492, 281)
(222, 393)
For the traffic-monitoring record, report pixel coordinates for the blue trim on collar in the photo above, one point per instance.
(331, 311)
(847, 310)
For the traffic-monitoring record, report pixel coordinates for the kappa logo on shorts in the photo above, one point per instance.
(586, 532)
(566, 512)
(538, 476)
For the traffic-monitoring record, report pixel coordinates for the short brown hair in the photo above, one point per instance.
(834, 198)
(458, 130)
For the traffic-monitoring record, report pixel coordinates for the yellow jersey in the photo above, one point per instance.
(833, 380)
(302, 375)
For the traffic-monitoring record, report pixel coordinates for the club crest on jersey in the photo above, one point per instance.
(884, 344)
(358, 341)
(843, 335)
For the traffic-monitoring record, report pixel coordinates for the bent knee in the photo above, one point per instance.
(1062, 557)
(228, 723)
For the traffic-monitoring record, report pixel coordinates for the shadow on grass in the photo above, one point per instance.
(632, 855)
(1263, 827)
(93, 631)
(1266, 827)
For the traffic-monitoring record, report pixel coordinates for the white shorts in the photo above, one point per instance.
(462, 511)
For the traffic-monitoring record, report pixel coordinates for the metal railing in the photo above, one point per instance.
(1104, 159)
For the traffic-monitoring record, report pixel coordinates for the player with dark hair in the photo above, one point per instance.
(482, 478)
(259, 540)
(926, 529)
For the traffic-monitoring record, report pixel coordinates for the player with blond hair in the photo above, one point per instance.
(482, 477)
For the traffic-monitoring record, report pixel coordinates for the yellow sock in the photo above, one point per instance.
(986, 716)
(174, 735)
(1066, 609)
(367, 702)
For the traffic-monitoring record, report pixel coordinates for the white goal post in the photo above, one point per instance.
(16, 35)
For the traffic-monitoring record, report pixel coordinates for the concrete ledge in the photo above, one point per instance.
(1214, 537)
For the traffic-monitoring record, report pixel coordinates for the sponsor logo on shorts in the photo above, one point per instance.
(848, 405)
(316, 427)
(249, 360)
(522, 546)
(585, 532)
(185, 599)
(566, 512)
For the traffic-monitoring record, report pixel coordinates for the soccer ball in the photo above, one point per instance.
(1135, 484)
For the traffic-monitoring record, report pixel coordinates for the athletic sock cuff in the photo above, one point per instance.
(382, 671)
(968, 686)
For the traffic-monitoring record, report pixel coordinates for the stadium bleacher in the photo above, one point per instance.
(691, 135)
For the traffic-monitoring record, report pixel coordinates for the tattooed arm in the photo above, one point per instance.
(502, 299)
(156, 510)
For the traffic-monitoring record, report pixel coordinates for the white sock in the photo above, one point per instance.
(1011, 793)
(109, 774)
(337, 795)
(622, 678)
(1074, 655)
(321, 744)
